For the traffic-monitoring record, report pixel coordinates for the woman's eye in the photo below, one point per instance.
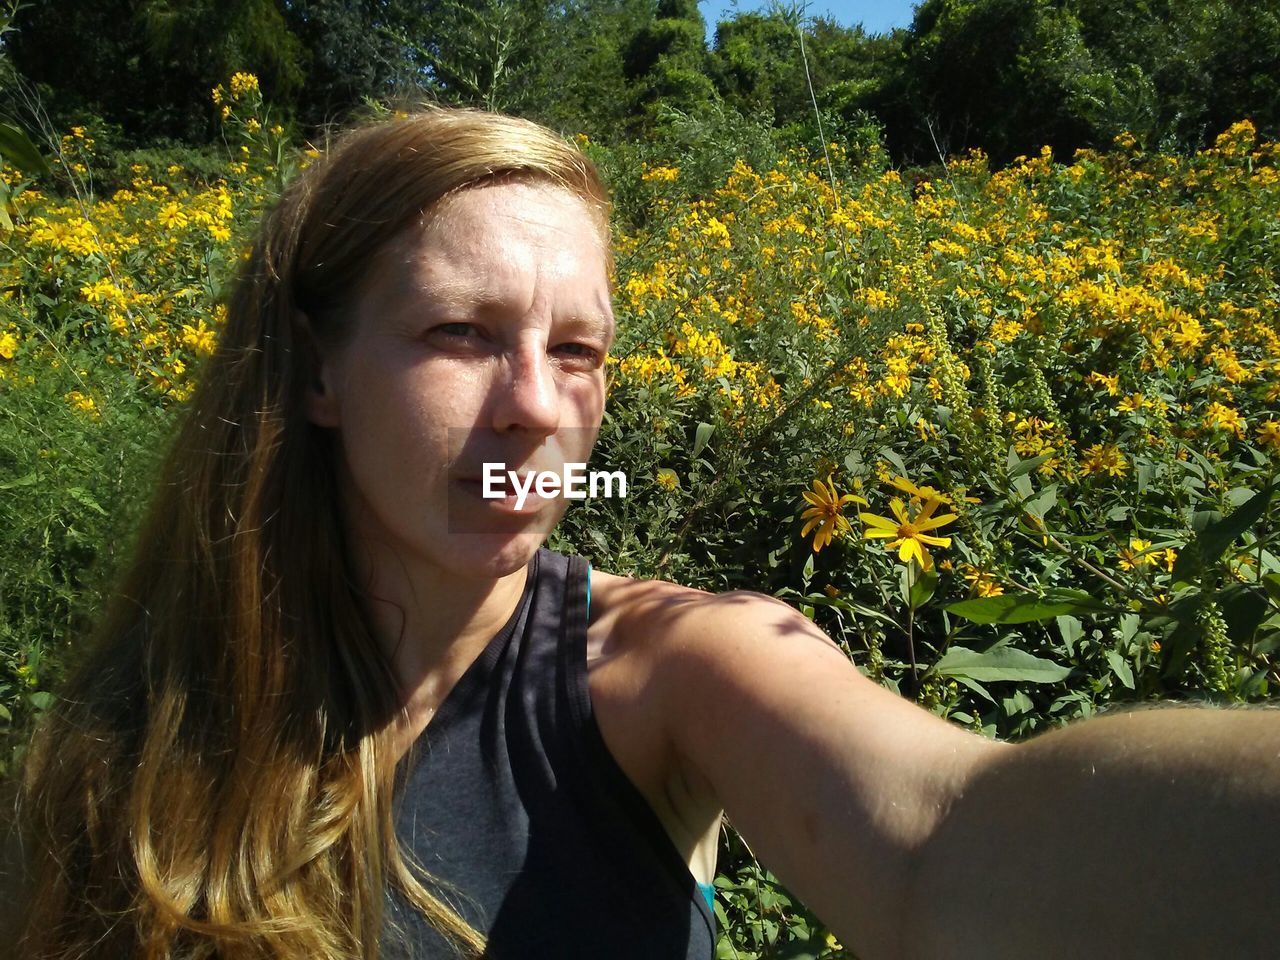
(461, 330)
(579, 350)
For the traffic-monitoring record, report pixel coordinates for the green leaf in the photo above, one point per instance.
(1072, 630)
(1042, 504)
(1120, 668)
(17, 147)
(1026, 466)
(1218, 534)
(1025, 607)
(82, 496)
(701, 437)
(894, 460)
(1002, 663)
(1243, 608)
(1271, 582)
(41, 699)
(922, 589)
(974, 685)
(848, 606)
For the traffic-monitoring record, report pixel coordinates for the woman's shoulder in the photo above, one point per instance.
(652, 616)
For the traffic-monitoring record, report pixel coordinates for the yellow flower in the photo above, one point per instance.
(1268, 433)
(81, 402)
(1104, 458)
(172, 217)
(909, 534)
(661, 174)
(1135, 401)
(826, 512)
(1109, 383)
(1226, 418)
(8, 345)
(918, 493)
(1137, 554)
(981, 582)
(668, 479)
(243, 84)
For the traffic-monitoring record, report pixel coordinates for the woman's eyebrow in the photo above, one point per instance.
(601, 324)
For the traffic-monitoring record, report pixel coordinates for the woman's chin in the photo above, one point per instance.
(493, 554)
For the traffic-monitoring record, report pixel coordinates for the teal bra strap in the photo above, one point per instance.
(588, 589)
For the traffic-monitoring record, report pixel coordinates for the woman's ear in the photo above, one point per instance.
(321, 400)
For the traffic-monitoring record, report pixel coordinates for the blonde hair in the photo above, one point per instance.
(216, 778)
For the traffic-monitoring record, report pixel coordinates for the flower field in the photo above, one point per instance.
(1009, 436)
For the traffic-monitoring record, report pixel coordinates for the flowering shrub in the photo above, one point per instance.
(108, 306)
(1083, 360)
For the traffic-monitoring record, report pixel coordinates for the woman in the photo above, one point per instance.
(343, 705)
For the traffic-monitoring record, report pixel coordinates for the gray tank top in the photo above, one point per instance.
(511, 795)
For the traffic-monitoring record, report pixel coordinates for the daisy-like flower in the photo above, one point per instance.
(918, 492)
(826, 512)
(1137, 554)
(982, 583)
(908, 533)
(1269, 434)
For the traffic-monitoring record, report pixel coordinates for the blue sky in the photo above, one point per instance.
(876, 16)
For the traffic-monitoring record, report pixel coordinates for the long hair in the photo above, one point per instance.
(216, 777)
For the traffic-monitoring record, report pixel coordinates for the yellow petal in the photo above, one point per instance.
(934, 541)
(934, 522)
(883, 524)
(909, 549)
(905, 485)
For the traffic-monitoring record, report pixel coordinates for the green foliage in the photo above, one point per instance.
(758, 920)
(149, 66)
(68, 503)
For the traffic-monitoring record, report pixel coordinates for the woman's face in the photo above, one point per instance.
(480, 338)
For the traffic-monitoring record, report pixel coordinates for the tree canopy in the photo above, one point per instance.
(1006, 76)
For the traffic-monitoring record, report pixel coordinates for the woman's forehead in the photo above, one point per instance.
(486, 243)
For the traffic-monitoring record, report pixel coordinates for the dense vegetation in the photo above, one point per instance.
(1006, 76)
(1049, 385)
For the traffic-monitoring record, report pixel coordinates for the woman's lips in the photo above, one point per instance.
(474, 487)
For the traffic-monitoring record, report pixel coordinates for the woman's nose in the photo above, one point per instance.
(528, 396)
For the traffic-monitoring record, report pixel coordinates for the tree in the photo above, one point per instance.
(666, 62)
(1004, 75)
(149, 64)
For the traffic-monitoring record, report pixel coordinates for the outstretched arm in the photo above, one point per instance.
(1155, 833)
